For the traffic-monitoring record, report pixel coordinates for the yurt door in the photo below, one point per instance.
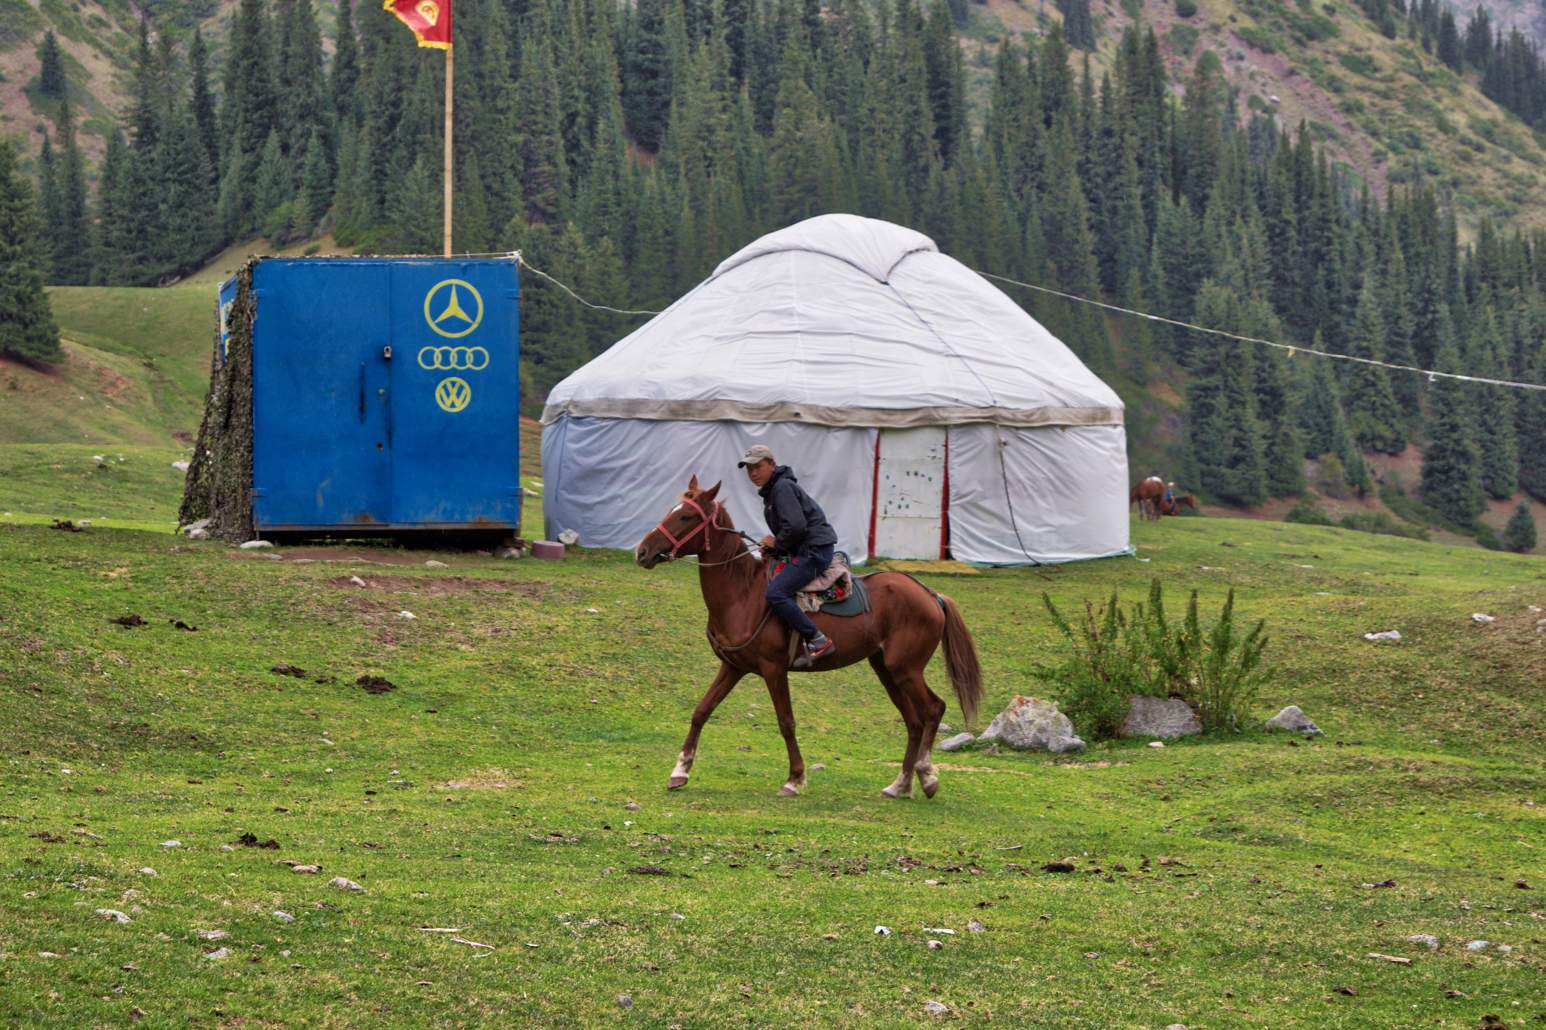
(909, 493)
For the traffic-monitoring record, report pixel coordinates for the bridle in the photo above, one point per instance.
(708, 521)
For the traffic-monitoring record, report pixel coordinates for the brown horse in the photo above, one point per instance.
(898, 635)
(1176, 502)
(1146, 493)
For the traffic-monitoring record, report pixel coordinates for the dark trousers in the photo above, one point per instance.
(796, 575)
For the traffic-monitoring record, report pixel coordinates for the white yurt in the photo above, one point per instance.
(926, 412)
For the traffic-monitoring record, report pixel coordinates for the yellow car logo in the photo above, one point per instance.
(471, 359)
(445, 308)
(453, 394)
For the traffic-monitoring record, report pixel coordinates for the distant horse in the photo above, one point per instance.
(1172, 502)
(898, 635)
(1147, 494)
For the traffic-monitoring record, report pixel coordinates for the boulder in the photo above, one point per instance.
(1029, 723)
(1065, 745)
(1160, 717)
(200, 527)
(257, 545)
(956, 742)
(1293, 720)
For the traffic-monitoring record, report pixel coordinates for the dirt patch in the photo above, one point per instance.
(350, 554)
(483, 779)
(440, 586)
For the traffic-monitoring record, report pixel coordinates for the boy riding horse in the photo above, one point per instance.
(800, 534)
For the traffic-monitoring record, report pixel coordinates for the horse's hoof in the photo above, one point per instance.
(930, 786)
(789, 790)
(894, 791)
(676, 783)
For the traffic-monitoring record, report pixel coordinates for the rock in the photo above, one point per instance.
(935, 945)
(147, 871)
(632, 806)
(1477, 945)
(1293, 720)
(257, 545)
(198, 534)
(509, 552)
(306, 870)
(1156, 743)
(1028, 723)
(1388, 634)
(1427, 940)
(1176, 1026)
(181, 466)
(1483, 618)
(1505, 948)
(201, 526)
(976, 926)
(218, 954)
(284, 917)
(568, 537)
(883, 931)
(549, 550)
(114, 915)
(171, 844)
(433, 564)
(1166, 717)
(211, 935)
(406, 615)
(625, 1001)
(935, 1008)
(344, 884)
(956, 742)
(1065, 745)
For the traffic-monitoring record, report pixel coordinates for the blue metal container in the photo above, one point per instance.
(386, 395)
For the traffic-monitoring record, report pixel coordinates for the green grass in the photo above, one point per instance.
(486, 793)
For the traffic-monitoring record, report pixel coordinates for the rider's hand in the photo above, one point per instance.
(766, 543)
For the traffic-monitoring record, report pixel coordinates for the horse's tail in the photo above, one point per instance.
(961, 661)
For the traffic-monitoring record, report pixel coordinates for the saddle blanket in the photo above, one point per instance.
(835, 592)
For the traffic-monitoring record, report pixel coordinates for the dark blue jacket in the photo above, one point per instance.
(797, 523)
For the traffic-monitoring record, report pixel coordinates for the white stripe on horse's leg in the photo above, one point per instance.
(902, 786)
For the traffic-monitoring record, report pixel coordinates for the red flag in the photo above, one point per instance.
(430, 20)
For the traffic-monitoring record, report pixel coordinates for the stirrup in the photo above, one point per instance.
(809, 657)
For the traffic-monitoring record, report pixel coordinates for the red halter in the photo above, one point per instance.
(703, 526)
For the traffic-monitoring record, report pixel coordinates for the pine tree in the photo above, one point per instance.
(1078, 28)
(345, 75)
(1226, 458)
(544, 170)
(1451, 479)
(203, 103)
(1519, 534)
(1494, 407)
(51, 78)
(647, 84)
(188, 217)
(27, 329)
(801, 156)
(317, 184)
(274, 188)
(419, 225)
(1372, 415)
(1532, 431)
(70, 223)
(48, 204)
(107, 254)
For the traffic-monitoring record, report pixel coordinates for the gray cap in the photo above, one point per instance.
(755, 454)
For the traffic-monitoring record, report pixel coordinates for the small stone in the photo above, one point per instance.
(1388, 634)
(1293, 720)
(345, 884)
(1427, 940)
(1482, 618)
(625, 1001)
(1176, 1026)
(935, 1008)
(217, 954)
(284, 917)
(956, 742)
(678, 916)
(306, 870)
(508, 552)
(147, 871)
(818, 767)
(1505, 948)
(357, 581)
(433, 564)
(257, 545)
(211, 935)
(114, 915)
(181, 466)
(1477, 945)
(883, 931)
(632, 806)
(171, 844)
(976, 926)
(1156, 743)
(568, 537)
(406, 615)
(1065, 745)
(935, 945)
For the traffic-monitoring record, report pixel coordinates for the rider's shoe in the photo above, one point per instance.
(816, 648)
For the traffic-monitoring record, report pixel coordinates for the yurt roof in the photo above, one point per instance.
(844, 321)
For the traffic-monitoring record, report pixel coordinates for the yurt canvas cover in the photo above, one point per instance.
(924, 409)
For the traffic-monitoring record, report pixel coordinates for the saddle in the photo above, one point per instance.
(837, 591)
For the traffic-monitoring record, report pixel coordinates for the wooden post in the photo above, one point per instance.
(450, 71)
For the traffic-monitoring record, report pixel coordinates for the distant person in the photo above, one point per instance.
(800, 534)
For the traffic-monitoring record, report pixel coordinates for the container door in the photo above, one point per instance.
(910, 493)
(456, 395)
(321, 438)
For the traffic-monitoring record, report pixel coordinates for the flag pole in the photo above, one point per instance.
(450, 71)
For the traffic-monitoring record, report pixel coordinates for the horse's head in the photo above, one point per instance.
(684, 529)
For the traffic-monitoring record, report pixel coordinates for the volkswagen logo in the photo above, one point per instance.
(469, 359)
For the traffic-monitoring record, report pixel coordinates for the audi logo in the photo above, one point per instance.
(471, 359)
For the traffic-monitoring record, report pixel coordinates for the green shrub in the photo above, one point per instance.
(1309, 514)
(1186, 8)
(1117, 654)
(1488, 539)
(1520, 531)
(1182, 38)
(1379, 522)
